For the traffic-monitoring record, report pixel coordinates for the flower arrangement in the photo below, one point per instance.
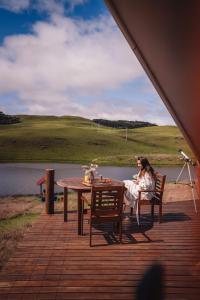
(89, 170)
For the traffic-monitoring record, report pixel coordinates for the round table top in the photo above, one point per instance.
(76, 183)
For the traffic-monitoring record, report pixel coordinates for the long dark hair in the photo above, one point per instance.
(146, 166)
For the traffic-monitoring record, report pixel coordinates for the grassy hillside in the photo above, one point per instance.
(79, 140)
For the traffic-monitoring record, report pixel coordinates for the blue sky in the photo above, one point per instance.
(68, 57)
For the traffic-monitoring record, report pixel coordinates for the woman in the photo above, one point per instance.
(144, 180)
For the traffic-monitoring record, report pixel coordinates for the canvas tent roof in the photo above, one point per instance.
(165, 36)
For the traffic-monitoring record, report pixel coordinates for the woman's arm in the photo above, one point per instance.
(146, 182)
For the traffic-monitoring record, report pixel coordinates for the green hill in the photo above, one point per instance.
(79, 140)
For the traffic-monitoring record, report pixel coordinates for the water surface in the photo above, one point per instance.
(20, 178)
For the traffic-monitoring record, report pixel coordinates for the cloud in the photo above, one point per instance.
(69, 67)
(65, 56)
(121, 109)
(74, 3)
(49, 6)
(14, 5)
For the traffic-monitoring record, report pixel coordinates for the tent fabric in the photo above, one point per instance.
(164, 35)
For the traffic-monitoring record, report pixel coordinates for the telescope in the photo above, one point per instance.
(187, 162)
(185, 157)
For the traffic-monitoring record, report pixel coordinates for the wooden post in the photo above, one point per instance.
(49, 195)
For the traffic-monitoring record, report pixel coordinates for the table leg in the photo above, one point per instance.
(80, 214)
(65, 204)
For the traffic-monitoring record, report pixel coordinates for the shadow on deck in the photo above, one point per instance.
(53, 262)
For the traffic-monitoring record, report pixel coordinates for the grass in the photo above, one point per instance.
(16, 222)
(79, 140)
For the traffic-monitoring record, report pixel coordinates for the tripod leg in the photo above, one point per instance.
(177, 179)
(192, 187)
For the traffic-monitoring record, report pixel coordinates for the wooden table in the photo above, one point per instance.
(75, 184)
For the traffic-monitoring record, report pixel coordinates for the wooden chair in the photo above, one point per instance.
(156, 200)
(106, 207)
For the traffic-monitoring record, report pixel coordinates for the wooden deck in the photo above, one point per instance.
(52, 262)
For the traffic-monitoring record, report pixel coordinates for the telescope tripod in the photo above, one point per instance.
(191, 183)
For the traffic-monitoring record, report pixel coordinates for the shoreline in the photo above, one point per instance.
(103, 164)
(173, 192)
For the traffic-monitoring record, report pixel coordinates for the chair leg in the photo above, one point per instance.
(117, 226)
(90, 233)
(138, 213)
(160, 212)
(152, 211)
(120, 231)
(82, 217)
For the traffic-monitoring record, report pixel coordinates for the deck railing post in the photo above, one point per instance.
(49, 195)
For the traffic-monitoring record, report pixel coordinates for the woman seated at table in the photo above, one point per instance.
(144, 180)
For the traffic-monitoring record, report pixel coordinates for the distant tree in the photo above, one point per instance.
(123, 124)
(7, 119)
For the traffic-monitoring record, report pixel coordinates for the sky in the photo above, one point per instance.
(68, 57)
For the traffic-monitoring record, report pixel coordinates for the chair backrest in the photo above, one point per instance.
(159, 186)
(106, 200)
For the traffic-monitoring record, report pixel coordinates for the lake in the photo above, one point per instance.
(20, 178)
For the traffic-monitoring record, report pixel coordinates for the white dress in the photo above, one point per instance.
(145, 182)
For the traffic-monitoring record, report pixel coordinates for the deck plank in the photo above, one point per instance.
(53, 262)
